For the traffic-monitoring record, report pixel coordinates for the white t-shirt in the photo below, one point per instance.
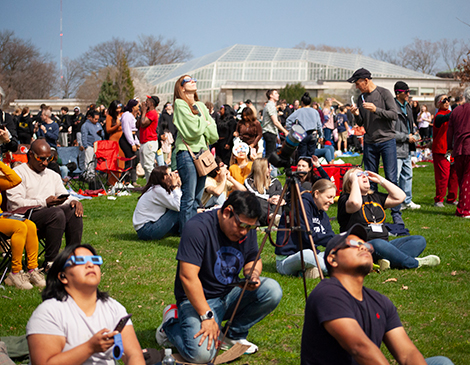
(66, 319)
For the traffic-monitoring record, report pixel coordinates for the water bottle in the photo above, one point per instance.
(168, 359)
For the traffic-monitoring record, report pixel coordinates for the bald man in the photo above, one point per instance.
(58, 213)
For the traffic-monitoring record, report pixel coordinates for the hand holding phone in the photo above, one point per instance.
(63, 196)
(122, 322)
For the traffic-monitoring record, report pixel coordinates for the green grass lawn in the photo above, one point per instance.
(434, 307)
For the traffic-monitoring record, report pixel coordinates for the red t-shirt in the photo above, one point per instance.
(149, 133)
(439, 135)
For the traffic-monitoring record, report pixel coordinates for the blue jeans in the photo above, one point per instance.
(254, 306)
(215, 200)
(167, 223)
(438, 360)
(401, 252)
(192, 187)
(292, 264)
(388, 151)
(404, 179)
(327, 151)
(327, 134)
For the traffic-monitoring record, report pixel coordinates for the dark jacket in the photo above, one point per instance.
(275, 188)
(25, 128)
(319, 223)
(403, 127)
(7, 120)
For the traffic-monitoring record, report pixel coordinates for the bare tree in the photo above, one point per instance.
(106, 54)
(390, 56)
(25, 72)
(463, 72)
(326, 48)
(421, 55)
(72, 78)
(453, 51)
(153, 50)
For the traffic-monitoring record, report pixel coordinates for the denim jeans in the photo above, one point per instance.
(388, 151)
(254, 306)
(401, 252)
(192, 187)
(327, 151)
(404, 179)
(438, 360)
(292, 264)
(215, 200)
(327, 134)
(167, 223)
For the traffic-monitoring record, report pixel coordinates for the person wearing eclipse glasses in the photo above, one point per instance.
(345, 322)
(215, 246)
(74, 323)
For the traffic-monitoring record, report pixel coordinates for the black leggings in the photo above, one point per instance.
(128, 153)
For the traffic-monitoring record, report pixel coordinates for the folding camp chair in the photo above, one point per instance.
(69, 155)
(106, 154)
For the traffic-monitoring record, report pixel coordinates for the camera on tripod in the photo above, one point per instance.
(282, 158)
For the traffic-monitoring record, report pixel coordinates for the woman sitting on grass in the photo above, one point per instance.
(288, 259)
(157, 211)
(359, 204)
(306, 164)
(74, 324)
(266, 189)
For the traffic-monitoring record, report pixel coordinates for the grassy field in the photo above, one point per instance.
(433, 303)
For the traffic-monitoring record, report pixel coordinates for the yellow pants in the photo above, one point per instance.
(23, 236)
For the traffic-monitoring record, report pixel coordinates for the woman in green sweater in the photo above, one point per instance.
(197, 128)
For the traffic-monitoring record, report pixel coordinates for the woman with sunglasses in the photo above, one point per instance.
(445, 176)
(75, 322)
(157, 210)
(23, 236)
(266, 189)
(359, 204)
(197, 129)
(288, 256)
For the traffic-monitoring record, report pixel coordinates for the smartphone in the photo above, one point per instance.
(63, 196)
(122, 322)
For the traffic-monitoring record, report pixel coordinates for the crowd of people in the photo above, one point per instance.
(217, 214)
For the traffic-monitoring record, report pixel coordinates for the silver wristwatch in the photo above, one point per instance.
(208, 315)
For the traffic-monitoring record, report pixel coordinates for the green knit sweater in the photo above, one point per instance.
(197, 130)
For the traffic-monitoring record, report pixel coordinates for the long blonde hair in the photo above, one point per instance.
(179, 94)
(259, 175)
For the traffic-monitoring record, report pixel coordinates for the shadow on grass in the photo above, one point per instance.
(170, 241)
(269, 267)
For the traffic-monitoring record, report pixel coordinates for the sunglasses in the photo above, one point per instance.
(187, 79)
(42, 159)
(241, 224)
(445, 100)
(82, 260)
(362, 173)
(353, 243)
(403, 91)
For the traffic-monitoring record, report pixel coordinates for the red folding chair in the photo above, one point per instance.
(106, 155)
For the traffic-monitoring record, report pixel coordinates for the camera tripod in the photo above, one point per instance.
(297, 207)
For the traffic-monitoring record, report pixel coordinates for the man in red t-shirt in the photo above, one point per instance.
(148, 134)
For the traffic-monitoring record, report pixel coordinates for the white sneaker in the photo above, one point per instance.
(430, 260)
(412, 205)
(170, 311)
(20, 280)
(312, 273)
(384, 264)
(228, 343)
(37, 278)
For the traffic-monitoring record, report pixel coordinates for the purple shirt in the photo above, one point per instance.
(458, 132)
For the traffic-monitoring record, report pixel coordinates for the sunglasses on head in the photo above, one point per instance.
(445, 100)
(187, 79)
(353, 243)
(42, 159)
(241, 224)
(82, 260)
(362, 173)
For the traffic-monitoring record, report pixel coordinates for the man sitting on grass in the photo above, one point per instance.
(345, 323)
(215, 246)
(58, 213)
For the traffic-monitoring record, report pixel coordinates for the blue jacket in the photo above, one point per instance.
(319, 225)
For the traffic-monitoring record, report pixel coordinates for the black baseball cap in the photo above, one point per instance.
(362, 73)
(400, 87)
(339, 239)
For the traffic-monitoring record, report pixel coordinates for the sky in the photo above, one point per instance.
(209, 25)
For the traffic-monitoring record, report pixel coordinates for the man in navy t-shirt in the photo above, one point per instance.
(345, 323)
(215, 247)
